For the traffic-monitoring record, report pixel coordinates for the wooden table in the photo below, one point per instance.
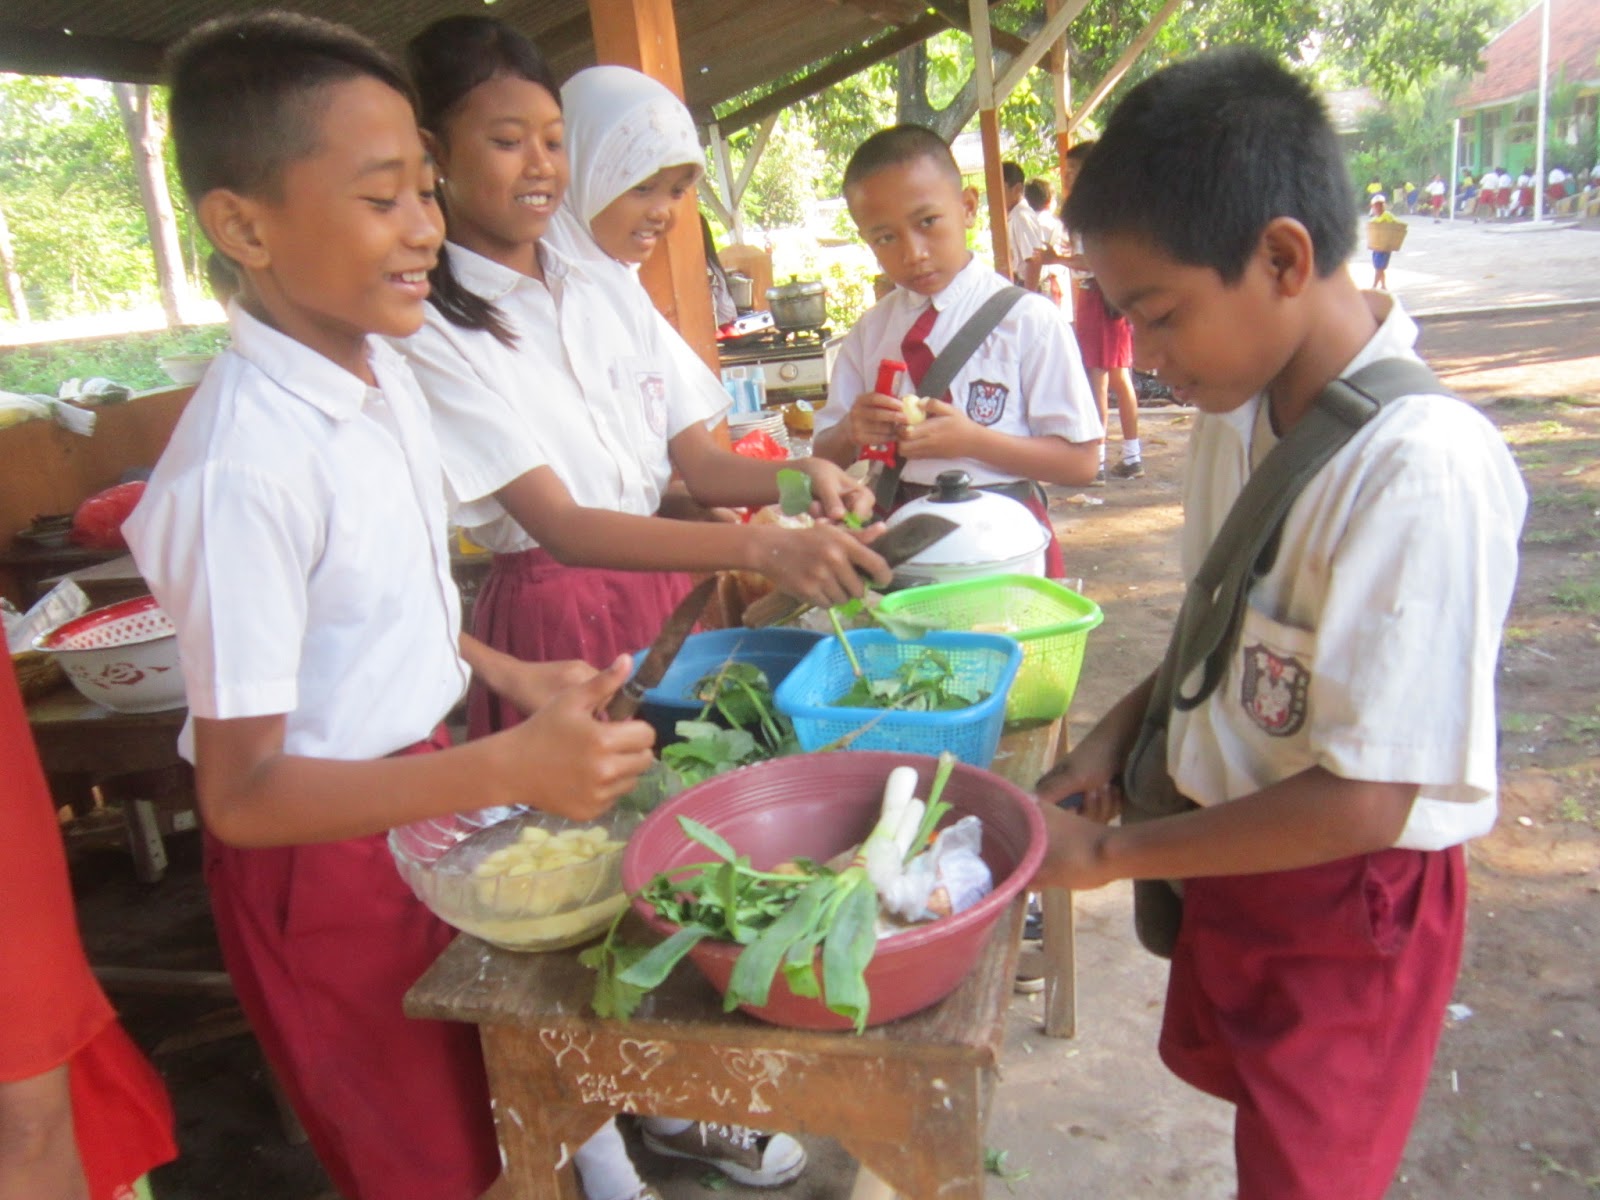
(131, 757)
(909, 1099)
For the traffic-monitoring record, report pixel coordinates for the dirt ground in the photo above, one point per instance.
(1514, 1107)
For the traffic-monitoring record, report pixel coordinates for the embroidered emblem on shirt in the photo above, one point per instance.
(1273, 690)
(986, 401)
(653, 391)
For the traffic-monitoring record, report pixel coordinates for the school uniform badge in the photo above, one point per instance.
(986, 401)
(653, 391)
(1274, 689)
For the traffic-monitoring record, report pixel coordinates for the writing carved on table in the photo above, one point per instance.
(759, 1069)
(598, 1087)
(562, 1042)
(640, 1058)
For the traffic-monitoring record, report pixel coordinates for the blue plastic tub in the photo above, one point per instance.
(775, 651)
(981, 662)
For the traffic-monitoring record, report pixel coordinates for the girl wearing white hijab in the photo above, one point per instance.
(560, 403)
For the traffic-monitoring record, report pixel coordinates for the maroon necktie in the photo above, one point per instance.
(914, 350)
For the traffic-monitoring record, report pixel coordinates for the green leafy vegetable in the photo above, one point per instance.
(794, 492)
(740, 694)
(926, 683)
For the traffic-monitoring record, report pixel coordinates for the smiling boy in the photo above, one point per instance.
(1019, 410)
(1344, 750)
(294, 530)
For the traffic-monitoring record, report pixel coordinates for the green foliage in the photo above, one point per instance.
(70, 197)
(1408, 139)
(132, 359)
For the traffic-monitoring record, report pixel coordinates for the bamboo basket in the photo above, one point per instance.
(1386, 235)
(38, 674)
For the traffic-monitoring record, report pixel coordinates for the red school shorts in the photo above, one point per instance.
(322, 943)
(1313, 1000)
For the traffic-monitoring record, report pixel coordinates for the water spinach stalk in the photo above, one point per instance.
(781, 918)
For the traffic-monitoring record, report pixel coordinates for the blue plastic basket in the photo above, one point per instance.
(982, 662)
(775, 651)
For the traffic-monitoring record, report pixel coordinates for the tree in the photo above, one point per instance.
(8, 264)
(145, 136)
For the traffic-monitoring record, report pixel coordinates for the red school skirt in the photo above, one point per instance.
(1313, 1000)
(538, 610)
(1105, 341)
(322, 942)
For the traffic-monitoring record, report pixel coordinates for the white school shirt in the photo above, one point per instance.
(1026, 235)
(1026, 379)
(1370, 647)
(591, 389)
(294, 530)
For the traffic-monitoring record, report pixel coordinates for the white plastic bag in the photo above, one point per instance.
(947, 878)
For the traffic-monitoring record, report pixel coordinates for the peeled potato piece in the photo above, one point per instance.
(913, 409)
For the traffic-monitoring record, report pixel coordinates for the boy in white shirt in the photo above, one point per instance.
(1019, 410)
(1347, 748)
(294, 530)
(1026, 233)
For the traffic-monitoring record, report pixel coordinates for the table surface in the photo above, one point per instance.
(74, 735)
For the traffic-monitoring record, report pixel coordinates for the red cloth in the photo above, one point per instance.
(97, 524)
(537, 610)
(1104, 340)
(322, 942)
(51, 1009)
(1313, 1000)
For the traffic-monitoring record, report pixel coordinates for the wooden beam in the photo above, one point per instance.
(830, 73)
(989, 128)
(1055, 28)
(643, 34)
(26, 51)
(1062, 83)
(748, 167)
(958, 18)
(1120, 67)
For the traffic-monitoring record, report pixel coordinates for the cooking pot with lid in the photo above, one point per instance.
(995, 535)
(743, 290)
(799, 304)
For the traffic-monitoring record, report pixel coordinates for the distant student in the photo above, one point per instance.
(1026, 235)
(1340, 745)
(294, 530)
(1378, 211)
(1437, 189)
(1019, 409)
(83, 1115)
(561, 406)
(1054, 280)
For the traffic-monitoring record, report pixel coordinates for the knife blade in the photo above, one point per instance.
(905, 541)
(662, 651)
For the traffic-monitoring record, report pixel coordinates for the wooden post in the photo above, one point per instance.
(989, 129)
(1059, 76)
(643, 34)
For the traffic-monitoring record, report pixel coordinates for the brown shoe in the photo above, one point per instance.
(744, 1155)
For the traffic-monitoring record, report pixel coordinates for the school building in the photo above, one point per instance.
(1499, 113)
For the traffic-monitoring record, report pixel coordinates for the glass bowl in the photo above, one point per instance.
(518, 878)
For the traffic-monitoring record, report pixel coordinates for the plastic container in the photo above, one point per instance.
(123, 656)
(1049, 621)
(982, 662)
(815, 806)
(440, 860)
(775, 651)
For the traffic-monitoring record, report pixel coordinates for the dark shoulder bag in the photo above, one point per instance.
(1213, 606)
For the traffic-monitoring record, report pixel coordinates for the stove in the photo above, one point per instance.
(793, 363)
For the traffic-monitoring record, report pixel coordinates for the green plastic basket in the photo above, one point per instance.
(1051, 622)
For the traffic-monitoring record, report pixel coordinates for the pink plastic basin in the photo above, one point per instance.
(814, 806)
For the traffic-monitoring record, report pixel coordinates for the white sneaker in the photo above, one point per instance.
(745, 1155)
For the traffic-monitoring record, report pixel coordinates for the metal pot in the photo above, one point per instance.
(997, 535)
(743, 290)
(799, 304)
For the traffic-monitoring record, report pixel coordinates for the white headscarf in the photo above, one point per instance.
(622, 127)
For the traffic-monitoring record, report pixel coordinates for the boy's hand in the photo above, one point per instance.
(875, 419)
(835, 491)
(575, 764)
(822, 565)
(946, 433)
(1090, 773)
(1072, 857)
(530, 686)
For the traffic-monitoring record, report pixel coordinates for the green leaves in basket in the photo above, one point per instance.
(925, 683)
(794, 492)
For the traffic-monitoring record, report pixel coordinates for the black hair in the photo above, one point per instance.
(247, 93)
(896, 146)
(1201, 156)
(1012, 174)
(1037, 194)
(447, 60)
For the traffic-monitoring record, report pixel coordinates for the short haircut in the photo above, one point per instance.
(248, 93)
(1012, 174)
(1201, 156)
(1037, 194)
(896, 146)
